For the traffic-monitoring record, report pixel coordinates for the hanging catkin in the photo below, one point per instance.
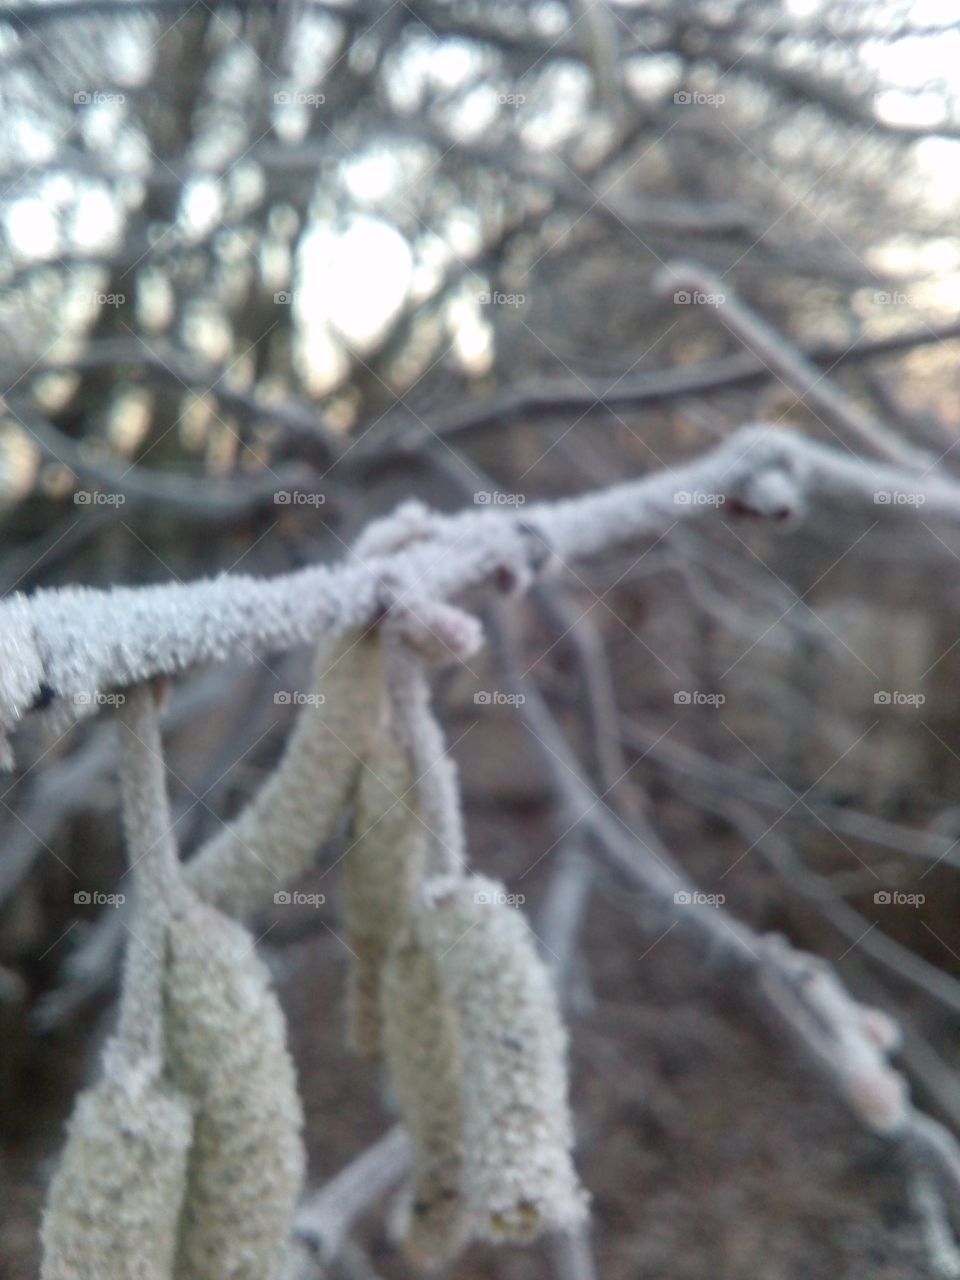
(227, 1049)
(518, 1176)
(421, 1048)
(381, 870)
(278, 835)
(115, 1200)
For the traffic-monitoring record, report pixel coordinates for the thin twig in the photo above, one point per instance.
(788, 362)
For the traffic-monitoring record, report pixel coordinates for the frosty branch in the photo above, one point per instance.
(64, 646)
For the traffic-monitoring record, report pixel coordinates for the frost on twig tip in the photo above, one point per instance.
(518, 1177)
(852, 1042)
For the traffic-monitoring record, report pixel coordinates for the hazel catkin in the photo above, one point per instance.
(115, 1200)
(227, 1049)
(381, 869)
(518, 1175)
(422, 1053)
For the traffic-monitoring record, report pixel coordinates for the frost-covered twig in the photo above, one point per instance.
(807, 382)
(206, 501)
(327, 1215)
(67, 644)
(849, 1044)
(940, 1239)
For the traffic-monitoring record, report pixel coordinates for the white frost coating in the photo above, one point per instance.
(417, 728)
(853, 1042)
(278, 835)
(381, 870)
(227, 1051)
(21, 668)
(519, 1178)
(78, 640)
(115, 1200)
(423, 1056)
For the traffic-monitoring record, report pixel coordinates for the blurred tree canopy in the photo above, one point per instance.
(303, 239)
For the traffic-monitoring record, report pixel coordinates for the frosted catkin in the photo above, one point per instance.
(518, 1175)
(381, 870)
(115, 1200)
(422, 1053)
(278, 835)
(227, 1049)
